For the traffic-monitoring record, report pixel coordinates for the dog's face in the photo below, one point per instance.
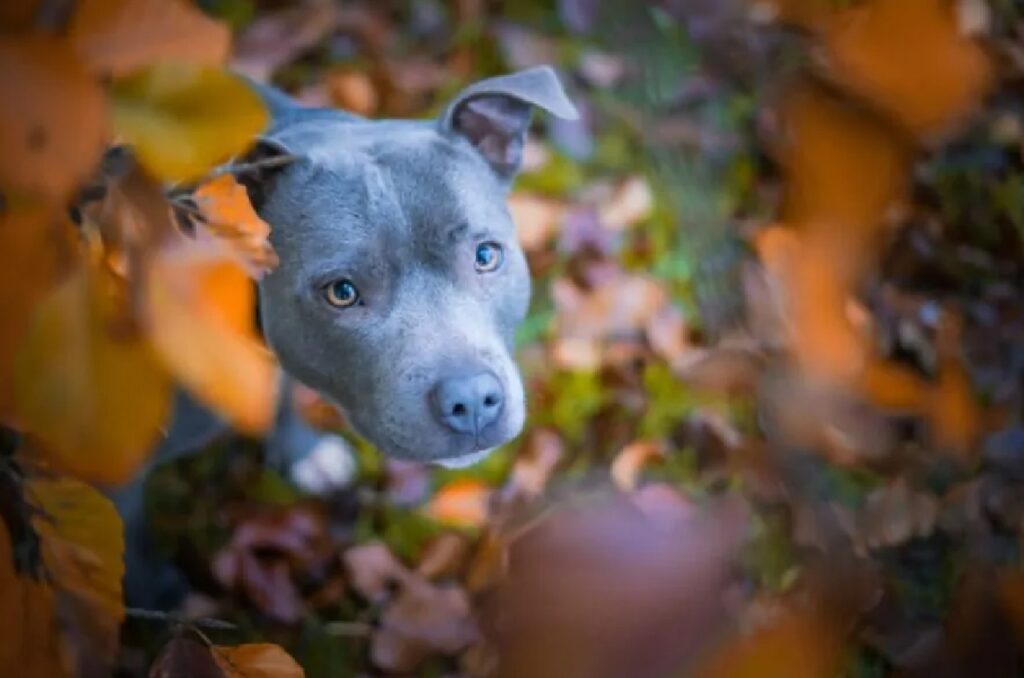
(401, 281)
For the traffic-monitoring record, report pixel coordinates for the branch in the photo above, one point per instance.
(167, 618)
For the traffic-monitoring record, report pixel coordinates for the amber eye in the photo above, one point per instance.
(489, 256)
(341, 293)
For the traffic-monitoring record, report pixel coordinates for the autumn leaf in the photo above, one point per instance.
(201, 322)
(631, 460)
(31, 640)
(910, 58)
(87, 384)
(229, 215)
(38, 249)
(117, 37)
(82, 544)
(184, 657)
(461, 502)
(53, 137)
(257, 660)
(184, 119)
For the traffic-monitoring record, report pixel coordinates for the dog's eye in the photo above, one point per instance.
(341, 293)
(489, 256)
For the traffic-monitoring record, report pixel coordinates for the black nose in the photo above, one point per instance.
(468, 403)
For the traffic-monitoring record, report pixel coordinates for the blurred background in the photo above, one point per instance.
(774, 358)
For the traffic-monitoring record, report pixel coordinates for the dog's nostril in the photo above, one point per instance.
(468, 403)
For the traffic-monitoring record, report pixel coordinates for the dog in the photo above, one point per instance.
(399, 287)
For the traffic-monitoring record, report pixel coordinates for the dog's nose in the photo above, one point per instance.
(468, 403)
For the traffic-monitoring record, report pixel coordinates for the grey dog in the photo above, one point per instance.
(400, 282)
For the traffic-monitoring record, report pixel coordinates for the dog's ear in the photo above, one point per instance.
(494, 114)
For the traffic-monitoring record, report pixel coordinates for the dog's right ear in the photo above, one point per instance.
(260, 167)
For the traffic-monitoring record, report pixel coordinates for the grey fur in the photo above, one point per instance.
(398, 207)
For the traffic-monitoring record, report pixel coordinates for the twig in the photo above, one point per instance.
(244, 167)
(167, 618)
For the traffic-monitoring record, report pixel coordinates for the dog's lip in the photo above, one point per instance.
(464, 460)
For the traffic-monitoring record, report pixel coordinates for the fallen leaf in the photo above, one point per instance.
(894, 514)
(630, 203)
(93, 392)
(201, 322)
(422, 619)
(53, 137)
(534, 464)
(229, 215)
(352, 91)
(630, 461)
(183, 119)
(82, 545)
(183, 657)
(461, 503)
(276, 38)
(256, 660)
(536, 219)
(910, 58)
(118, 37)
(373, 570)
(443, 556)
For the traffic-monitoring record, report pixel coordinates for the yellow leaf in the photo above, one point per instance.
(461, 502)
(31, 640)
(37, 249)
(82, 544)
(256, 660)
(184, 119)
(88, 386)
(52, 126)
(116, 37)
(229, 215)
(201, 311)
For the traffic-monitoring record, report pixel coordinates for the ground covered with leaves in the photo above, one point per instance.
(774, 359)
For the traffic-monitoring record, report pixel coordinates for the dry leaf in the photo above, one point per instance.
(91, 390)
(444, 555)
(352, 91)
(276, 38)
(256, 660)
(373, 569)
(53, 136)
(183, 657)
(461, 503)
(630, 203)
(183, 119)
(118, 37)
(631, 460)
(536, 219)
(533, 466)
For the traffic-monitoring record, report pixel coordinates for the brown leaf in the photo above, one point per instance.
(183, 657)
(631, 460)
(910, 58)
(91, 390)
(422, 619)
(276, 38)
(536, 219)
(894, 514)
(373, 570)
(256, 660)
(444, 555)
(118, 37)
(82, 542)
(53, 137)
(533, 466)
(201, 322)
(352, 91)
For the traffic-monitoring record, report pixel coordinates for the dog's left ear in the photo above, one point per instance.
(494, 114)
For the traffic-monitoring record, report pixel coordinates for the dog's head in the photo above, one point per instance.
(401, 281)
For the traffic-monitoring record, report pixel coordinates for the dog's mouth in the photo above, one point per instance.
(464, 460)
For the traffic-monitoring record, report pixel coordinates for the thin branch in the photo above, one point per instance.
(245, 167)
(167, 618)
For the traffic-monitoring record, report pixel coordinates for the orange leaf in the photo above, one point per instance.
(89, 387)
(631, 460)
(461, 502)
(201, 308)
(256, 660)
(116, 37)
(52, 138)
(910, 58)
(229, 215)
(31, 640)
(37, 249)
